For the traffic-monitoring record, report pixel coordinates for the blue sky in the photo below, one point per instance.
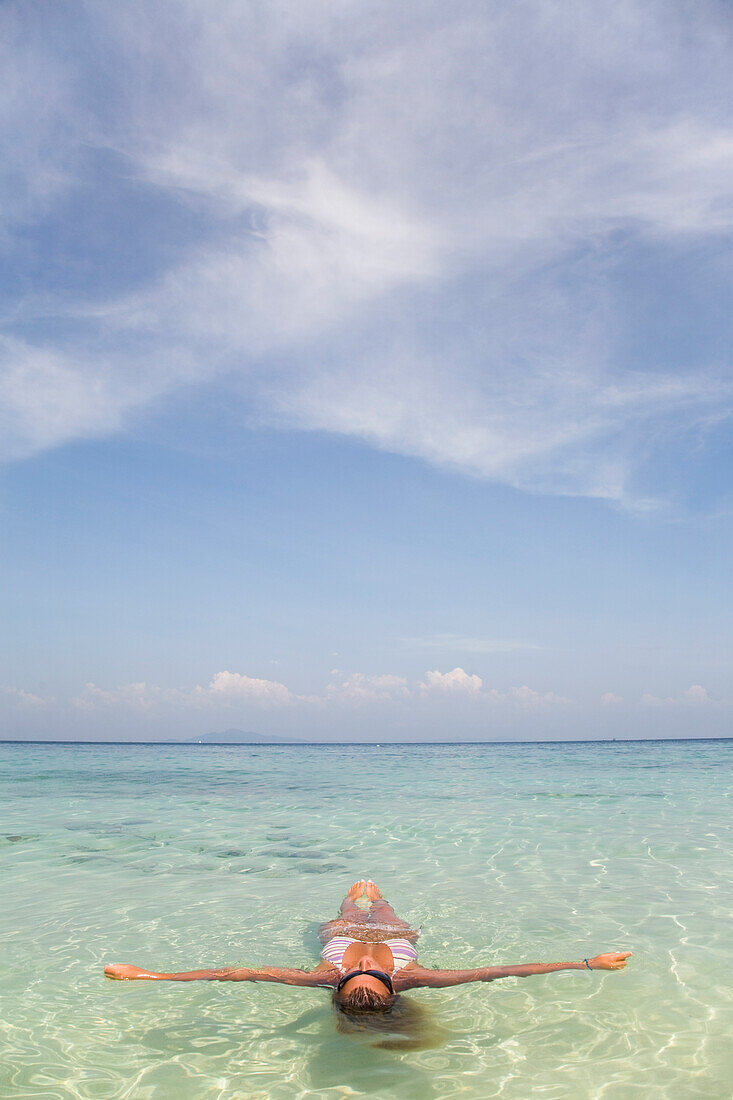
(365, 371)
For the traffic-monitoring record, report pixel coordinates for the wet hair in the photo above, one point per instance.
(402, 1024)
(362, 999)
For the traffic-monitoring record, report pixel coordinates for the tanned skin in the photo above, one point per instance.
(368, 955)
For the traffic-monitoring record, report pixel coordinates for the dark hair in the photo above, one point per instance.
(362, 999)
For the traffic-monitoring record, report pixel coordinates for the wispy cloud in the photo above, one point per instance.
(414, 227)
(48, 397)
(23, 700)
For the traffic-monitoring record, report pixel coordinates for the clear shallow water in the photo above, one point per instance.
(177, 857)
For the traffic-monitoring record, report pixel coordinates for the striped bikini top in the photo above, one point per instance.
(402, 951)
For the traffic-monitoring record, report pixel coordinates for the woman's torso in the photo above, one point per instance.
(391, 954)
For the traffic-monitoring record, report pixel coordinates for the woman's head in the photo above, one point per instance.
(360, 997)
(366, 988)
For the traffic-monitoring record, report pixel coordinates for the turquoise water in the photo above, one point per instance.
(176, 857)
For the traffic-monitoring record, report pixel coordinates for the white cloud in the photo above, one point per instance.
(232, 689)
(528, 697)
(225, 688)
(555, 427)
(45, 400)
(695, 695)
(360, 688)
(321, 250)
(453, 685)
(138, 696)
(458, 680)
(236, 690)
(235, 687)
(412, 223)
(48, 397)
(650, 700)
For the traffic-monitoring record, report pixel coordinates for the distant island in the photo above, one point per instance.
(241, 737)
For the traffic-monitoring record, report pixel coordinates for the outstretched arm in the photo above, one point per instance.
(322, 975)
(419, 976)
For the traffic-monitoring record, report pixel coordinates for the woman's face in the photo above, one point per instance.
(365, 981)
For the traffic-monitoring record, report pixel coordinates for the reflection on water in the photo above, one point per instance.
(179, 857)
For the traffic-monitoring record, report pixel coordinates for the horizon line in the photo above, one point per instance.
(315, 744)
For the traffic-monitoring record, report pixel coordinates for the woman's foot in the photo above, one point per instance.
(372, 891)
(356, 891)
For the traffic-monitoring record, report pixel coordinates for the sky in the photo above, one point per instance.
(365, 369)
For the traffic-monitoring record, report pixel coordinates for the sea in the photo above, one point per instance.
(176, 857)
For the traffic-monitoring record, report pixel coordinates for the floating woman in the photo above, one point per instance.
(368, 957)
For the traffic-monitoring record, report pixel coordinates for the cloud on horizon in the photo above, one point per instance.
(420, 227)
(365, 706)
(233, 689)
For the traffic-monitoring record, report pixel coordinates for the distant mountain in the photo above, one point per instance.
(242, 737)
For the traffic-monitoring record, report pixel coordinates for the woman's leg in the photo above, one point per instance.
(378, 923)
(349, 908)
(381, 911)
(351, 914)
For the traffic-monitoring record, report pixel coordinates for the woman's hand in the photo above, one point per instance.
(612, 960)
(126, 972)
